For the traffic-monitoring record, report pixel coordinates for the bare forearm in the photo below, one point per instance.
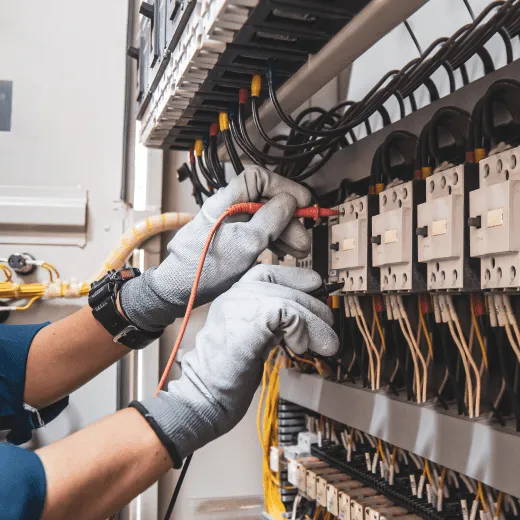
(95, 472)
(67, 354)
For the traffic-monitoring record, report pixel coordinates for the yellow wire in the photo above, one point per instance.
(268, 432)
(317, 513)
(479, 335)
(49, 270)
(378, 324)
(426, 471)
(499, 504)
(394, 455)
(480, 497)
(443, 478)
(426, 334)
(314, 363)
(47, 264)
(7, 272)
(381, 451)
(28, 304)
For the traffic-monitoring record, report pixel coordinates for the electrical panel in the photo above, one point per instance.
(350, 257)
(443, 238)
(195, 55)
(394, 244)
(494, 217)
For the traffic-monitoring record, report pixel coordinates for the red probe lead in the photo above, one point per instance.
(314, 212)
(249, 208)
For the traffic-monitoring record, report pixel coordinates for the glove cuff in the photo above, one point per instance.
(144, 307)
(167, 442)
(184, 416)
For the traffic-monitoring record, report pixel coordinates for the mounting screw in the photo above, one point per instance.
(334, 246)
(376, 240)
(475, 222)
(422, 231)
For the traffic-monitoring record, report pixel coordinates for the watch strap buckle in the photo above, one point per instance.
(124, 332)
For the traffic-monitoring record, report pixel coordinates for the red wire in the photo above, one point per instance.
(246, 207)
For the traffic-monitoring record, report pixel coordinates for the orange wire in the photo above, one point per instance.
(246, 207)
(191, 302)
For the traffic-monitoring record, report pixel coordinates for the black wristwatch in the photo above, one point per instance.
(102, 299)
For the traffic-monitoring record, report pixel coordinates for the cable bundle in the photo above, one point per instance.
(267, 426)
(316, 134)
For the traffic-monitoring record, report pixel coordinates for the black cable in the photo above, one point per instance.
(209, 166)
(414, 38)
(242, 145)
(232, 152)
(215, 162)
(178, 486)
(469, 8)
(507, 43)
(196, 181)
(332, 126)
(206, 173)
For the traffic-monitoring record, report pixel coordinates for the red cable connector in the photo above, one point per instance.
(314, 212)
(243, 94)
(478, 305)
(424, 302)
(213, 130)
(192, 156)
(379, 305)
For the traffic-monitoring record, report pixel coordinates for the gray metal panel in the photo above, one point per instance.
(472, 447)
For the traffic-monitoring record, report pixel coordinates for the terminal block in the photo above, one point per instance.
(350, 257)
(195, 55)
(494, 216)
(394, 242)
(442, 231)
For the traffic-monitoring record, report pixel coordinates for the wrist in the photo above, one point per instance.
(107, 309)
(165, 440)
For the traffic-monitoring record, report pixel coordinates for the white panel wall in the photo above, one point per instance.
(67, 63)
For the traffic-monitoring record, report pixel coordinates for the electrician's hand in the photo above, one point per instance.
(161, 294)
(220, 376)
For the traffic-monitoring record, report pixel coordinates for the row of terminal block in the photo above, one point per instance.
(454, 230)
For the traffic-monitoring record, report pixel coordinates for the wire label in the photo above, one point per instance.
(344, 506)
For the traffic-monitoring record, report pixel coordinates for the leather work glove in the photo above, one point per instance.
(220, 376)
(158, 296)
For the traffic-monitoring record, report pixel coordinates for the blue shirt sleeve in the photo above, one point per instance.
(20, 419)
(23, 485)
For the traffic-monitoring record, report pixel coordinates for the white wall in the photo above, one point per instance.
(67, 63)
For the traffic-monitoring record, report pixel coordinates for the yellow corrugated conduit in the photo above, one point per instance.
(57, 288)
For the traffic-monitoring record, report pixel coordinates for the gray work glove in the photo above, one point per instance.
(220, 376)
(161, 294)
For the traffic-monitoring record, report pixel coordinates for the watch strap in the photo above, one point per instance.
(103, 301)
